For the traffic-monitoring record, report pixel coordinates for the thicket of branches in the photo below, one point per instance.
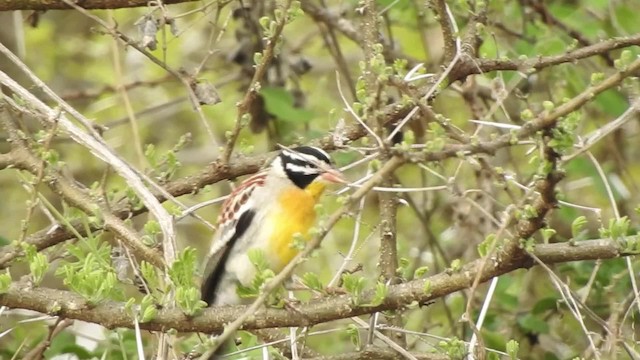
(480, 138)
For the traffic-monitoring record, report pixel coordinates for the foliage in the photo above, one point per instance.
(89, 271)
(182, 274)
(513, 123)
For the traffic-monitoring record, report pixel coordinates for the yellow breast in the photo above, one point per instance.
(296, 215)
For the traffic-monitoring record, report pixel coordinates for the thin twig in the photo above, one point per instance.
(268, 54)
(91, 141)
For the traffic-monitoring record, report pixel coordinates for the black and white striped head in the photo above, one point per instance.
(302, 165)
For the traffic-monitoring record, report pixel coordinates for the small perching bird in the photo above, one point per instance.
(265, 212)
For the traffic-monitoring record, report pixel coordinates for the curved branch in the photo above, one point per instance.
(68, 190)
(547, 17)
(88, 4)
(466, 68)
(114, 314)
(478, 66)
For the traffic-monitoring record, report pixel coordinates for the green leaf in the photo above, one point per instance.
(380, 295)
(547, 234)
(486, 244)
(183, 269)
(427, 287)
(548, 303)
(494, 340)
(619, 228)
(420, 272)
(312, 281)
(280, 103)
(150, 154)
(5, 282)
(128, 306)
(512, 349)
(299, 242)
(456, 265)
(38, 263)
(91, 274)
(79, 351)
(354, 335)
(149, 314)
(64, 343)
(247, 292)
(354, 286)
(188, 299)
(263, 274)
(577, 225)
(258, 259)
(508, 301)
(152, 227)
(403, 265)
(150, 275)
(453, 347)
(294, 11)
(257, 58)
(148, 308)
(264, 22)
(533, 324)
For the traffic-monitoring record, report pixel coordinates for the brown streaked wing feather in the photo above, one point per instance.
(235, 218)
(239, 196)
(231, 208)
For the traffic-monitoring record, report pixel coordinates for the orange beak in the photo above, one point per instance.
(333, 176)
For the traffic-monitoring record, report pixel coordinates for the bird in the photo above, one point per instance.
(265, 212)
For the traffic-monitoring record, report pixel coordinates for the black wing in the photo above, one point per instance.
(216, 264)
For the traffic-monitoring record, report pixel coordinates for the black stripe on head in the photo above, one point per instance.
(315, 152)
(301, 164)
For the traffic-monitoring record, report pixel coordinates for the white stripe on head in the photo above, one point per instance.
(294, 155)
(305, 170)
(298, 156)
(321, 151)
(310, 158)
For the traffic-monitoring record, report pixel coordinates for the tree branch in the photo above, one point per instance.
(548, 17)
(114, 314)
(539, 63)
(37, 352)
(346, 28)
(67, 189)
(378, 353)
(89, 139)
(446, 27)
(90, 4)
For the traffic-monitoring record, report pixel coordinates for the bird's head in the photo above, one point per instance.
(304, 164)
